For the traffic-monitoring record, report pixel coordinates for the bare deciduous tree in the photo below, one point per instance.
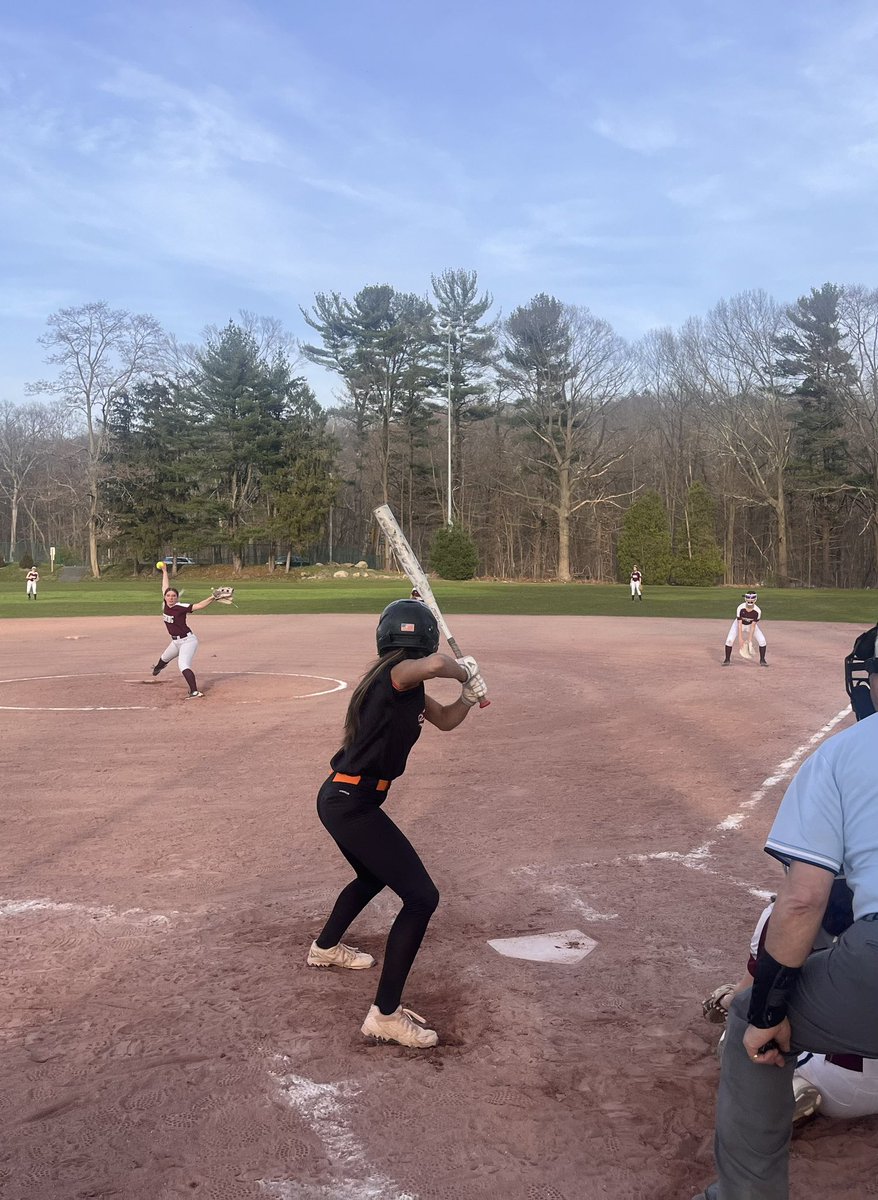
(25, 431)
(99, 352)
(734, 356)
(566, 368)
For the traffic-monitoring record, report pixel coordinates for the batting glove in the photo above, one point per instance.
(473, 691)
(469, 665)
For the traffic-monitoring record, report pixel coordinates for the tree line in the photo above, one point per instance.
(746, 441)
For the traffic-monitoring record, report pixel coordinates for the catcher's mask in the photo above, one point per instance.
(407, 625)
(750, 597)
(858, 666)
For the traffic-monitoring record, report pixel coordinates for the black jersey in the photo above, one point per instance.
(390, 724)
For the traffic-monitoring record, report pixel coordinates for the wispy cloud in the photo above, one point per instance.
(637, 131)
(641, 162)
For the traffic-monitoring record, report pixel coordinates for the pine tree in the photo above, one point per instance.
(240, 400)
(699, 560)
(151, 477)
(300, 492)
(813, 354)
(646, 540)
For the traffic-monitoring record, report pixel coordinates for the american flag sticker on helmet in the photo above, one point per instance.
(407, 627)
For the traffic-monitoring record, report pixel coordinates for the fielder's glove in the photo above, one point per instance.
(474, 690)
(711, 1008)
(223, 595)
(469, 665)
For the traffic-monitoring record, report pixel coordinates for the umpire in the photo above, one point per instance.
(826, 1001)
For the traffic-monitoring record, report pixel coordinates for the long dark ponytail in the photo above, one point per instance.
(352, 718)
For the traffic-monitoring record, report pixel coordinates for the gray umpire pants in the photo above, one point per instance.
(834, 1009)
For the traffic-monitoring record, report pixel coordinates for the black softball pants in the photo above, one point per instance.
(382, 856)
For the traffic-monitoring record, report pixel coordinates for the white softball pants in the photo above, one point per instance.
(31, 587)
(183, 649)
(635, 587)
(845, 1093)
(758, 635)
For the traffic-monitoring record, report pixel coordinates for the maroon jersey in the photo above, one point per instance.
(635, 577)
(175, 619)
(749, 616)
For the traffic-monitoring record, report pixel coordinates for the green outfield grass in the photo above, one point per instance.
(290, 594)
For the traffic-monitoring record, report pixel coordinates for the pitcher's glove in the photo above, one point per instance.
(223, 595)
(711, 1008)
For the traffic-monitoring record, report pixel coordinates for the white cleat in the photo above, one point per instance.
(340, 956)
(194, 695)
(808, 1100)
(403, 1026)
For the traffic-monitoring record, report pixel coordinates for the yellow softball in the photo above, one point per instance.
(159, 565)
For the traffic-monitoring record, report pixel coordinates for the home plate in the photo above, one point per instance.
(571, 946)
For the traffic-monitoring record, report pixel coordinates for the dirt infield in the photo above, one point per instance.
(163, 872)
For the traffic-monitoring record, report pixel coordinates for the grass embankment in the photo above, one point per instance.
(281, 593)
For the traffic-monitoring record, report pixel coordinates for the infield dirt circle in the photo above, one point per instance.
(164, 871)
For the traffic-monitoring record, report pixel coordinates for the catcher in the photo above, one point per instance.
(839, 1085)
(746, 625)
(184, 643)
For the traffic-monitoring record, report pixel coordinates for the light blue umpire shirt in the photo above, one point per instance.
(829, 814)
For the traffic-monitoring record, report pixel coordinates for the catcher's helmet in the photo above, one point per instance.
(407, 625)
(858, 666)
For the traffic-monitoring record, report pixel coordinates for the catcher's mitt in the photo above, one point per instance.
(223, 595)
(711, 1008)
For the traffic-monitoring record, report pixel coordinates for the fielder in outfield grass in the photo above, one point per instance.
(183, 642)
(385, 717)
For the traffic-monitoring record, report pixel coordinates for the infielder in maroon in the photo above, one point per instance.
(183, 643)
(385, 716)
(746, 624)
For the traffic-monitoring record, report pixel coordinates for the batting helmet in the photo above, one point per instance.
(407, 625)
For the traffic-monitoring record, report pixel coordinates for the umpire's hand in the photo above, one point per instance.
(779, 1037)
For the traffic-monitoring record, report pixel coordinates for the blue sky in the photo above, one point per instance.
(644, 159)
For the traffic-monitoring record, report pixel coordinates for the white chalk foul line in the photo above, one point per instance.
(322, 1105)
(565, 891)
(698, 859)
(103, 912)
(781, 772)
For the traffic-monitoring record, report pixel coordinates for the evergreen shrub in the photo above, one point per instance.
(646, 540)
(453, 554)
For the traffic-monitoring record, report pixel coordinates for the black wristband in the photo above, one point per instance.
(773, 984)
